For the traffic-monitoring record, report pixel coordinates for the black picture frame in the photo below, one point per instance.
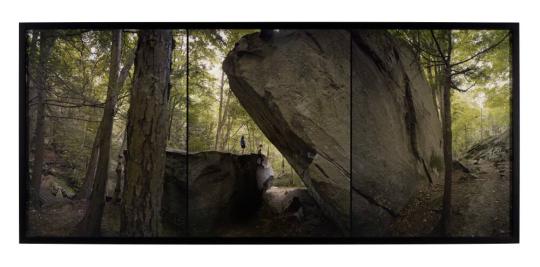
(23, 135)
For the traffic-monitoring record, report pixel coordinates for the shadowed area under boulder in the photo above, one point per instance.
(231, 195)
(285, 212)
(222, 188)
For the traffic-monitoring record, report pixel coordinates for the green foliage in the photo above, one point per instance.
(482, 68)
(78, 77)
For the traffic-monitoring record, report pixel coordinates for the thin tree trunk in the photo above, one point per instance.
(447, 141)
(432, 77)
(31, 87)
(171, 116)
(147, 135)
(120, 169)
(46, 43)
(224, 118)
(91, 222)
(447, 154)
(440, 90)
(248, 141)
(220, 115)
(282, 165)
(227, 133)
(86, 187)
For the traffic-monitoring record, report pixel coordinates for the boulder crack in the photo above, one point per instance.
(373, 202)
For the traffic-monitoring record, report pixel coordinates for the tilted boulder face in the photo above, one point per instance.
(296, 87)
(396, 136)
(222, 189)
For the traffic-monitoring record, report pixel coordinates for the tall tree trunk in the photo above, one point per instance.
(172, 106)
(282, 166)
(224, 118)
(120, 169)
(86, 188)
(31, 88)
(228, 128)
(447, 154)
(147, 135)
(46, 43)
(88, 183)
(220, 115)
(434, 84)
(438, 82)
(447, 140)
(91, 222)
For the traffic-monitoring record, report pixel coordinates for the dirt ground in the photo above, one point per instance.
(273, 221)
(59, 219)
(481, 207)
(480, 204)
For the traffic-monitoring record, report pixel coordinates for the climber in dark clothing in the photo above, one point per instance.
(242, 144)
(260, 157)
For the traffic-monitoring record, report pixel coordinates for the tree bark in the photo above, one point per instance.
(147, 135)
(120, 169)
(172, 105)
(447, 140)
(88, 183)
(91, 222)
(31, 88)
(46, 42)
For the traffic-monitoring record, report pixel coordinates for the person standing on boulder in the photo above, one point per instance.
(242, 144)
(260, 157)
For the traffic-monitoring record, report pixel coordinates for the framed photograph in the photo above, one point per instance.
(269, 133)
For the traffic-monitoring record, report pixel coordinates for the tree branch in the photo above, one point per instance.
(446, 63)
(463, 71)
(455, 87)
(481, 52)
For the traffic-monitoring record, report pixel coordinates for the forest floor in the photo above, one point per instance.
(480, 204)
(273, 219)
(59, 219)
(481, 207)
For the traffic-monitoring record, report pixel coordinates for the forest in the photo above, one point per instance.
(257, 132)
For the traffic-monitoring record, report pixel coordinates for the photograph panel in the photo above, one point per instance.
(431, 147)
(106, 119)
(269, 133)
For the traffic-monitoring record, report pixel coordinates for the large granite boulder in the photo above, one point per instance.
(295, 85)
(396, 131)
(174, 199)
(224, 188)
